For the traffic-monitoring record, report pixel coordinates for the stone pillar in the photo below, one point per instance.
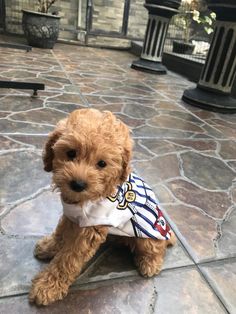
(159, 14)
(215, 84)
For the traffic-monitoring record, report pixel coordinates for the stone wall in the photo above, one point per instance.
(138, 17)
(14, 14)
(107, 17)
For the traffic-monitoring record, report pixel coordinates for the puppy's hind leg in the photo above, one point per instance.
(49, 246)
(149, 255)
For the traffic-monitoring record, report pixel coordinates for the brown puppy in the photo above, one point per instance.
(89, 154)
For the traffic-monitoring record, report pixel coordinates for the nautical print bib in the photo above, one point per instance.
(133, 212)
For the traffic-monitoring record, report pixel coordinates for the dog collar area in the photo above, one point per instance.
(132, 211)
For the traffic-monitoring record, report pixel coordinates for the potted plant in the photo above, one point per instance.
(41, 28)
(188, 13)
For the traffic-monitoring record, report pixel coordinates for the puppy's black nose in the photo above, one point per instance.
(78, 186)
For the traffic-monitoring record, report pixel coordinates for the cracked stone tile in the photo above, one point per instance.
(163, 194)
(167, 105)
(8, 126)
(158, 169)
(185, 291)
(200, 145)
(19, 103)
(111, 100)
(202, 136)
(19, 74)
(72, 89)
(214, 204)
(227, 241)
(232, 164)
(21, 175)
(17, 265)
(227, 132)
(222, 277)
(67, 98)
(111, 107)
(154, 132)
(2, 210)
(132, 297)
(56, 79)
(109, 83)
(98, 100)
(228, 149)
(64, 107)
(204, 114)
(197, 230)
(225, 123)
(165, 121)
(228, 117)
(46, 115)
(126, 91)
(183, 116)
(131, 122)
(37, 216)
(6, 144)
(36, 140)
(4, 114)
(213, 132)
(55, 73)
(211, 173)
(159, 147)
(139, 111)
(141, 153)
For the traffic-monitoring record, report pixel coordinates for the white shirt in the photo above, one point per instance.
(132, 212)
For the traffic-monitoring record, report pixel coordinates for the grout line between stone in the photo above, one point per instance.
(84, 100)
(186, 248)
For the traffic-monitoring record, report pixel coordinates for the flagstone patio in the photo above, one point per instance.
(188, 155)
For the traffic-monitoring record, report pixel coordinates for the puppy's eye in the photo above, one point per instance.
(71, 154)
(101, 164)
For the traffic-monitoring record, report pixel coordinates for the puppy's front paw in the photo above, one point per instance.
(46, 248)
(46, 290)
(148, 266)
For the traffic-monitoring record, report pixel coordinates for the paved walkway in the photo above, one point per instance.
(188, 155)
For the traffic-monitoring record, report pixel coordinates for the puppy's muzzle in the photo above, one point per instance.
(78, 185)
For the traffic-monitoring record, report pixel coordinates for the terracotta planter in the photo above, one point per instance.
(40, 29)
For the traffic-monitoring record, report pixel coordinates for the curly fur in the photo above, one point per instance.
(95, 136)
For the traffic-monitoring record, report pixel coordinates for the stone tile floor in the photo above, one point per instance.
(188, 155)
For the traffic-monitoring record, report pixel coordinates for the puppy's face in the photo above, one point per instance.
(89, 154)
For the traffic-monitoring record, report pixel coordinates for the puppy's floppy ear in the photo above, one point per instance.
(127, 153)
(48, 153)
(126, 164)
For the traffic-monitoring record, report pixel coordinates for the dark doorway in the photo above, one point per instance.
(2, 14)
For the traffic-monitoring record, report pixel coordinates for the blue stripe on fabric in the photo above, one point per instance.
(143, 186)
(140, 186)
(147, 220)
(147, 208)
(131, 209)
(137, 178)
(146, 197)
(132, 181)
(143, 230)
(134, 228)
